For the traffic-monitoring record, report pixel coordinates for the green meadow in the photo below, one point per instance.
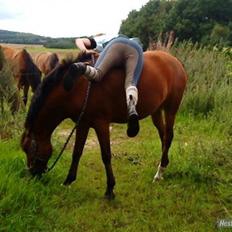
(196, 192)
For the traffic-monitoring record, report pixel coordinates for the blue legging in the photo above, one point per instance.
(122, 51)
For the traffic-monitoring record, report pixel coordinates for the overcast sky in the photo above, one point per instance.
(70, 18)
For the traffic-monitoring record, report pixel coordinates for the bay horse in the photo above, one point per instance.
(46, 61)
(25, 72)
(1, 58)
(161, 87)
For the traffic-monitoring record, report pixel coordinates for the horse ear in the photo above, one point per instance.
(69, 78)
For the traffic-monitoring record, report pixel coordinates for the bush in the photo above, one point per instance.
(209, 85)
(60, 43)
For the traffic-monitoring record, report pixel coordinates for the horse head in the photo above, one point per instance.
(38, 152)
(43, 117)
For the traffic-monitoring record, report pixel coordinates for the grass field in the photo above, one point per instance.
(194, 196)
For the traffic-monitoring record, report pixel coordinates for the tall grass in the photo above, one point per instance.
(9, 101)
(210, 82)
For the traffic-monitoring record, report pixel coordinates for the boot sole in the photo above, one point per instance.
(133, 125)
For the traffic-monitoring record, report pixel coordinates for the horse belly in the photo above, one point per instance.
(152, 92)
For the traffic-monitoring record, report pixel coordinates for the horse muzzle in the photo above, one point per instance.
(38, 167)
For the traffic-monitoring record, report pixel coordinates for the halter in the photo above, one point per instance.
(74, 128)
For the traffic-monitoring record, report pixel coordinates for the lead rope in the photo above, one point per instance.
(74, 128)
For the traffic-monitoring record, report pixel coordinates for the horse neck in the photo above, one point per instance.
(45, 125)
(60, 105)
(80, 97)
(32, 72)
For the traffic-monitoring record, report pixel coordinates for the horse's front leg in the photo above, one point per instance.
(102, 130)
(25, 93)
(81, 135)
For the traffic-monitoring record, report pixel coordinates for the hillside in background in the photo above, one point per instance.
(21, 38)
(29, 38)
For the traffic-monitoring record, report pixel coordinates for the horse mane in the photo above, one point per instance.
(48, 84)
(26, 55)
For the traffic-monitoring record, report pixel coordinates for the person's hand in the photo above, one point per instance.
(91, 52)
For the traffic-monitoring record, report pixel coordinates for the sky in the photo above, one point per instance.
(70, 18)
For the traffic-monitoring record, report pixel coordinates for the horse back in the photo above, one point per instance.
(46, 61)
(9, 53)
(162, 83)
(24, 70)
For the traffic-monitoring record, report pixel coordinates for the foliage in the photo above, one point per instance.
(148, 22)
(220, 34)
(203, 21)
(196, 19)
(63, 43)
(28, 38)
(9, 96)
(21, 38)
(210, 85)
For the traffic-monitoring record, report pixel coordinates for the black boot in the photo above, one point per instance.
(133, 119)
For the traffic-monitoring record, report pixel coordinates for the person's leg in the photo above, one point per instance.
(134, 67)
(108, 58)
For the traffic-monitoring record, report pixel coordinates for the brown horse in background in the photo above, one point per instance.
(1, 58)
(25, 72)
(161, 87)
(46, 61)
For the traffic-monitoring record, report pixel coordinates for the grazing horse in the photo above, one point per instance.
(46, 61)
(161, 87)
(1, 58)
(25, 72)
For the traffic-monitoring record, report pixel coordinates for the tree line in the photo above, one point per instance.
(208, 22)
(28, 38)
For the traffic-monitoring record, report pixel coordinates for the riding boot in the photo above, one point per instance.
(133, 118)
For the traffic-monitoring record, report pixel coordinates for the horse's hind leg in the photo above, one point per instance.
(164, 122)
(81, 136)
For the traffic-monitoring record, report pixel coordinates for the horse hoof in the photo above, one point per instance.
(65, 186)
(157, 178)
(69, 181)
(159, 174)
(109, 196)
(133, 125)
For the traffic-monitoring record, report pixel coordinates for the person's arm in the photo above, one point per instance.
(86, 44)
